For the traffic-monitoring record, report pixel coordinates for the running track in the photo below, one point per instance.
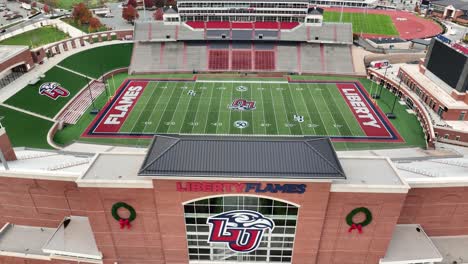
(412, 28)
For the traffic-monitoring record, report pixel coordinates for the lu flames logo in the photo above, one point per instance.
(242, 230)
(242, 104)
(53, 90)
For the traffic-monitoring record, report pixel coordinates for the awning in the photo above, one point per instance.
(410, 244)
(74, 238)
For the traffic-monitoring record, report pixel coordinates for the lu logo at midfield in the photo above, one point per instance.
(242, 105)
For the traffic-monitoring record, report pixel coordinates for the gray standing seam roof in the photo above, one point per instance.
(242, 157)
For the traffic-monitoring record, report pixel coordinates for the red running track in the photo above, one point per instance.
(411, 27)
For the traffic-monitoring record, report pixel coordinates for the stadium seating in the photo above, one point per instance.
(311, 58)
(338, 59)
(218, 60)
(264, 60)
(241, 60)
(287, 58)
(73, 112)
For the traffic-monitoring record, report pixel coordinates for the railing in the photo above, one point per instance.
(423, 115)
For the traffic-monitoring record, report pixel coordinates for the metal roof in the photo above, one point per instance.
(248, 1)
(242, 157)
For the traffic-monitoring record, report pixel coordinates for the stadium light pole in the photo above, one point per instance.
(382, 86)
(391, 115)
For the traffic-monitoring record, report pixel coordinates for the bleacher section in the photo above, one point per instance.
(242, 46)
(73, 112)
(241, 56)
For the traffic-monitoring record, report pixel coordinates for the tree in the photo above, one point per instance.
(172, 3)
(33, 4)
(46, 9)
(148, 3)
(132, 3)
(81, 14)
(94, 24)
(129, 13)
(158, 14)
(159, 3)
(417, 9)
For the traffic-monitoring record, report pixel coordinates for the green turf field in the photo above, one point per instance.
(365, 23)
(68, 4)
(25, 130)
(36, 37)
(167, 107)
(30, 99)
(97, 61)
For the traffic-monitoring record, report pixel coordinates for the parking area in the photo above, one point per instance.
(117, 22)
(8, 8)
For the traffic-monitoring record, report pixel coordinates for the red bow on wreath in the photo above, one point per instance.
(354, 226)
(123, 223)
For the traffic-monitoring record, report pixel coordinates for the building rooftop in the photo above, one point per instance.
(458, 4)
(243, 157)
(452, 248)
(16, 240)
(8, 51)
(436, 91)
(387, 40)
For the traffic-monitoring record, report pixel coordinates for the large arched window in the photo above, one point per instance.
(275, 245)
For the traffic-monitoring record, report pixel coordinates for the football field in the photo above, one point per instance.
(339, 109)
(364, 23)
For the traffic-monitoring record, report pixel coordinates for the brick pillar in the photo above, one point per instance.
(5, 146)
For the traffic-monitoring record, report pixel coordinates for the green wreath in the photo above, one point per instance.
(117, 206)
(367, 212)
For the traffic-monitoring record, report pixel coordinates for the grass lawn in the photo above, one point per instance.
(36, 37)
(30, 99)
(25, 130)
(97, 61)
(68, 4)
(84, 28)
(365, 23)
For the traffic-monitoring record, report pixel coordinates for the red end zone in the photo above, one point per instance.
(118, 112)
(372, 121)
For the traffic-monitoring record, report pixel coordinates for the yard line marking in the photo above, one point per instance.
(307, 110)
(274, 111)
(209, 108)
(233, 81)
(175, 109)
(27, 112)
(181, 110)
(294, 105)
(329, 111)
(154, 107)
(141, 112)
(318, 110)
(196, 113)
(219, 109)
(263, 109)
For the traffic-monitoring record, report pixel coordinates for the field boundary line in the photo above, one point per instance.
(75, 72)
(232, 81)
(27, 112)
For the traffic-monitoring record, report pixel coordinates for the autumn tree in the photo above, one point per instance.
(129, 13)
(33, 4)
(132, 3)
(158, 14)
(94, 24)
(172, 3)
(46, 9)
(81, 14)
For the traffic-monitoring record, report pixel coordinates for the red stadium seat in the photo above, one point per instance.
(218, 60)
(265, 60)
(241, 60)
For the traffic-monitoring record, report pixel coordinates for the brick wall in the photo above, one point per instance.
(440, 211)
(23, 57)
(339, 246)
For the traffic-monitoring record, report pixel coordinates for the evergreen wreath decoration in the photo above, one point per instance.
(358, 226)
(123, 221)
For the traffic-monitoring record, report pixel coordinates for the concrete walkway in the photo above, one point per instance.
(27, 112)
(14, 87)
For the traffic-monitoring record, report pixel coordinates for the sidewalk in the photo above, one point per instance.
(12, 88)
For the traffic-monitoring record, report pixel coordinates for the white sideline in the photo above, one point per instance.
(27, 112)
(227, 81)
(75, 72)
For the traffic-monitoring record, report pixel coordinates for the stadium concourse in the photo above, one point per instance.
(242, 46)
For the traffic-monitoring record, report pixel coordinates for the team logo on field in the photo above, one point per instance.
(53, 90)
(191, 93)
(299, 118)
(241, 124)
(241, 89)
(242, 105)
(241, 230)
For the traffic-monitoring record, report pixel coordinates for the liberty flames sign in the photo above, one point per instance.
(241, 230)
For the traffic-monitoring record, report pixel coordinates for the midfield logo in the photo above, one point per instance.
(242, 105)
(241, 230)
(53, 90)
